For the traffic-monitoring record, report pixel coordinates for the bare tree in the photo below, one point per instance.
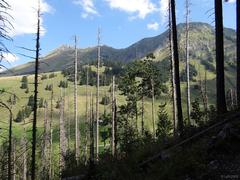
(34, 124)
(91, 131)
(176, 68)
(220, 85)
(62, 135)
(51, 137)
(77, 133)
(187, 61)
(172, 71)
(153, 108)
(142, 110)
(97, 95)
(113, 116)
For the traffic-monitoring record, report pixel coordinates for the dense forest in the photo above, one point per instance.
(169, 112)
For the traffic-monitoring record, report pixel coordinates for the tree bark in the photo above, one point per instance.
(34, 125)
(62, 135)
(172, 73)
(153, 109)
(220, 84)
(176, 68)
(77, 134)
(187, 63)
(113, 117)
(97, 96)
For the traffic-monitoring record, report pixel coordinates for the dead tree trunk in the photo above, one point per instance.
(87, 114)
(91, 131)
(176, 68)
(68, 121)
(77, 133)
(62, 135)
(187, 63)
(24, 145)
(50, 172)
(172, 73)
(142, 111)
(34, 124)
(113, 117)
(14, 159)
(153, 108)
(45, 162)
(97, 96)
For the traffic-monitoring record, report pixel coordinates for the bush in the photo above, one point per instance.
(44, 76)
(52, 75)
(27, 91)
(41, 103)
(24, 81)
(105, 100)
(164, 126)
(31, 101)
(196, 113)
(63, 84)
(49, 87)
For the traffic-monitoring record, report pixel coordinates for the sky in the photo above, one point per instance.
(122, 22)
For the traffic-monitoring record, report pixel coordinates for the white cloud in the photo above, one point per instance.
(87, 6)
(11, 58)
(139, 8)
(153, 26)
(24, 15)
(164, 10)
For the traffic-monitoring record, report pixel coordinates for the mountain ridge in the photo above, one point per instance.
(202, 44)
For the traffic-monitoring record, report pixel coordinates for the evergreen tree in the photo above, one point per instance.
(24, 82)
(164, 126)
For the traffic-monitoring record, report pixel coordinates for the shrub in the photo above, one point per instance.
(105, 100)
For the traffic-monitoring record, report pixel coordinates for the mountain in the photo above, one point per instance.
(202, 44)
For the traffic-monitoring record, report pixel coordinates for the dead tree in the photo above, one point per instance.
(176, 68)
(14, 159)
(172, 72)
(34, 124)
(68, 121)
(62, 135)
(77, 133)
(97, 95)
(87, 114)
(142, 110)
(187, 61)
(50, 138)
(91, 130)
(153, 108)
(113, 116)
(24, 145)
(45, 149)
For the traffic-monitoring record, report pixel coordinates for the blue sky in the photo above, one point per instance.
(122, 22)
